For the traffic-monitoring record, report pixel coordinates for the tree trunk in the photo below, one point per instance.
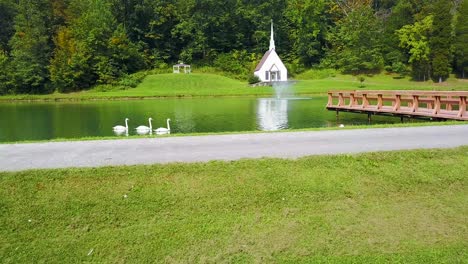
(440, 79)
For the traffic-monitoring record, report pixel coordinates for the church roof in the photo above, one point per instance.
(264, 59)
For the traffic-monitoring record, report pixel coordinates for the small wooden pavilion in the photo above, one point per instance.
(181, 66)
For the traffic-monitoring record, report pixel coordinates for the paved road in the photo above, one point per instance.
(14, 157)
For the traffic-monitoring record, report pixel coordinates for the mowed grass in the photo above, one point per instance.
(207, 84)
(398, 207)
(164, 85)
(375, 82)
(179, 85)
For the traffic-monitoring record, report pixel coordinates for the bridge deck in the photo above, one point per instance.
(420, 104)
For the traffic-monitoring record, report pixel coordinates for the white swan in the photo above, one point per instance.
(163, 130)
(120, 129)
(142, 130)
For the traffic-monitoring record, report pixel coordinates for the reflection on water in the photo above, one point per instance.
(121, 133)
(48, 120)
(272, 114)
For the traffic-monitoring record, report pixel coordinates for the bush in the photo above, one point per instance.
(361, 80)
(238, 63)
(253, 79)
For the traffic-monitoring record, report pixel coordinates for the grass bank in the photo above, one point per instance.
(208, 84)
(405, 207)
(398, 125)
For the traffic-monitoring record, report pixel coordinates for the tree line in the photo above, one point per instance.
(70, 45)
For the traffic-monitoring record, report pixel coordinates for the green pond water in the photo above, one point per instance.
(49, 120)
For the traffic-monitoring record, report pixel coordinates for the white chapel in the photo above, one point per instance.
(271, 68)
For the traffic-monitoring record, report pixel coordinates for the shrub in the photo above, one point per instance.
(238, 63)
(253, 79)
(361, 80)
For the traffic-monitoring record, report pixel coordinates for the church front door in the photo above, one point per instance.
(275, 76)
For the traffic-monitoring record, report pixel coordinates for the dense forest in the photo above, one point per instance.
(70, 45)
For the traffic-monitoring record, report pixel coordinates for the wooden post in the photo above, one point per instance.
(379, 101)
(429, 105)
(462, 106)
(437, 105)
(330, 99)
(397, 105)
(340, 99)
(415, 103)
(351, 100)
(365, 102)
(449, 104)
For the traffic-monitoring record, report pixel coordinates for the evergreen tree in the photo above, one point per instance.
(356, 42)
(398, 16)
(461, 40)
(7, 15)
(30, 49)
(310, 26)
(5, 74)
(440, 42)
(93, 49)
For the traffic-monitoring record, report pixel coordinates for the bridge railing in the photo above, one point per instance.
(443, 104)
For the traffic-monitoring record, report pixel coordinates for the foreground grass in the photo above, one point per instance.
(406, 207)
(207, 84)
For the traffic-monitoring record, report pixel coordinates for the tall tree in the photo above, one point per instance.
(461, 40)
(440, 42)
(30, 47)
(309, 26)
(92, 49)
(415, 39)
(6, 26)
(394, 18)
(356, 41)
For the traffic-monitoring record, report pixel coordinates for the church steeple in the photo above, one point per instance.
(272, 41)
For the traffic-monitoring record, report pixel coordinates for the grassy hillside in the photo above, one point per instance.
(398, 207)
(314, 81)
(207, 84)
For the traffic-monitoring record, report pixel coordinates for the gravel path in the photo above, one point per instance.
(15, 157)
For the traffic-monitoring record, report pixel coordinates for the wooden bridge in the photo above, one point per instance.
(438, 105)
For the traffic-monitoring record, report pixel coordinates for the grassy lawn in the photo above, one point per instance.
(404, 207)
(206, 84)
(376, 82)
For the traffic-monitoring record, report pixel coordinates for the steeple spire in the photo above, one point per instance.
(272, 41)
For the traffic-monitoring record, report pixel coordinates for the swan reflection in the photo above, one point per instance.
(121, 133)
(272, 114)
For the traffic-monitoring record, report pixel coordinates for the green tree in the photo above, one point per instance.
(415, 39)
(7, 15)
(5, 74)
(440, 42)
(461, 40)
(395, 18)
(310, 26)
(92, 49)
(30, 47)
(355, 42)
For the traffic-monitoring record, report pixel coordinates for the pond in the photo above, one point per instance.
(48, 120)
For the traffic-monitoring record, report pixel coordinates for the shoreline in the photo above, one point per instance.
(134, 98)
(133, 137)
